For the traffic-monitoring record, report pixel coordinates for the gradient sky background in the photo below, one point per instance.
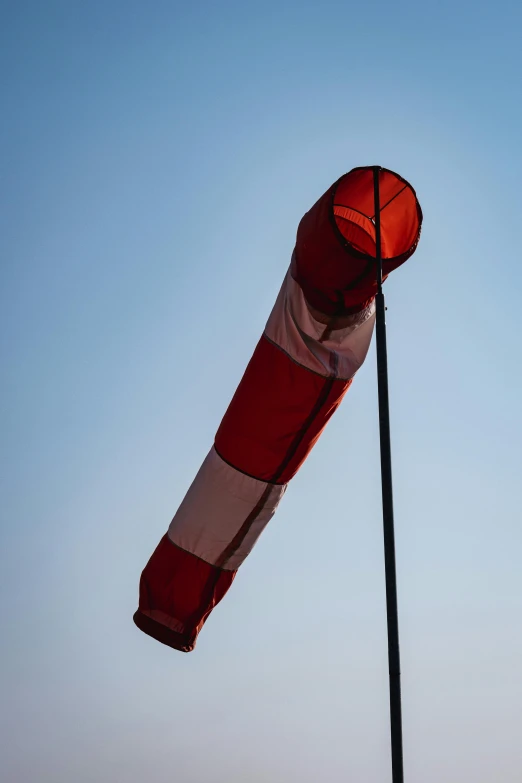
(156, 159)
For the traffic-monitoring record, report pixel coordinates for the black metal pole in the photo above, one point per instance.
(394, 664)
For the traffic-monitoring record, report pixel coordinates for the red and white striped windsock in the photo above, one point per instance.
(316, 338)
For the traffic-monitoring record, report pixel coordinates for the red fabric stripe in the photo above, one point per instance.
(267, 425)
(334, 260)
(175, 599)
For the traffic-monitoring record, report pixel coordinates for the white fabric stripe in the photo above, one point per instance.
(292, 327)
(217, 504)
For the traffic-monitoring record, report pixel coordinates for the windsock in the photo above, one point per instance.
(316, 338)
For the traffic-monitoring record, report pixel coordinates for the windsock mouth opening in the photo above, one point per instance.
(353, 213)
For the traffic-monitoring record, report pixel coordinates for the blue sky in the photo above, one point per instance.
(156, 159)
